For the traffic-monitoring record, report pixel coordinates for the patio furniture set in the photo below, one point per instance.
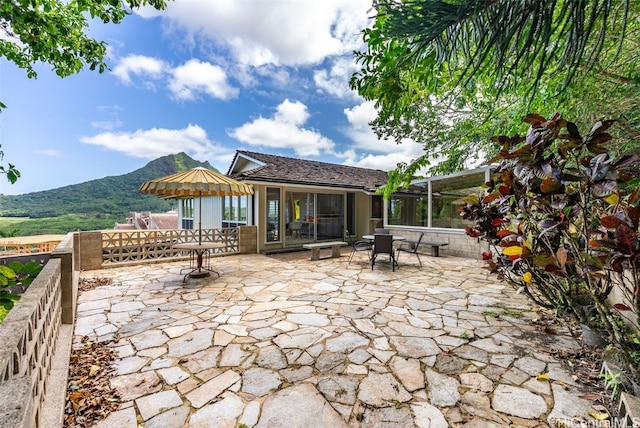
(379, 243)
(382, 243)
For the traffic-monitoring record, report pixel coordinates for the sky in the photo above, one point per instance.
(202, 77)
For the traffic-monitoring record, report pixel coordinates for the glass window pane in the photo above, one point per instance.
(447, 196)
(409, 210)
(351, 213)
(411, 207)
(330, 216)
(234, 210)
(300, 216)
(187, 213)
(273, 214)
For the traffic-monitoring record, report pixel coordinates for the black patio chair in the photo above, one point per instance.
(411, 248)
(357, 246)
(381, 231)
(383, 244)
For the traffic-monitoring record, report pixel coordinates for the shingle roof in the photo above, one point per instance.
(281, 169)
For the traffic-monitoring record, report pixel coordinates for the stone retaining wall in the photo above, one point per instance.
(28, 336)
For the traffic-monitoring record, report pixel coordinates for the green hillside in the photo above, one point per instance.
(93, 205)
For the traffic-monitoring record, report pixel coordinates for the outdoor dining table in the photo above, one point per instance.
(197, 251)
(395, 237)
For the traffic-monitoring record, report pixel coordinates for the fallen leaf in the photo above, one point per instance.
(593, 397)
(543, 376)
(93, 370)
(598, 416)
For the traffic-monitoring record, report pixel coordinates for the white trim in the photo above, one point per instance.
(314, 187)
(486, 169)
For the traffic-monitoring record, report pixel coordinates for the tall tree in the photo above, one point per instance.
(450, 74)
(54, 32)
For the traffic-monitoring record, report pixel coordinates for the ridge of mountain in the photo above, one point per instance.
(112, 195)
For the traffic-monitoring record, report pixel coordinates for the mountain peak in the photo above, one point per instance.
(170, 164)
(105, 197)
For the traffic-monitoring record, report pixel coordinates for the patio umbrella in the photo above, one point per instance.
(196, 182)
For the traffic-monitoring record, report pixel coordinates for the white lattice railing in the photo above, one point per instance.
(133, 246)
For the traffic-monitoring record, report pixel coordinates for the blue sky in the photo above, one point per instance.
(202, 77)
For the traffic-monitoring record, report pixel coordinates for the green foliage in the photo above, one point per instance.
(563, 222)
(10, 170)
(53, 32)
(447, 74)
(15, 278)
(8, 233)
(62, 224)
(519, 40)
(94, 205)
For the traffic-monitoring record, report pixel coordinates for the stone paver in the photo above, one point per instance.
(288, 342)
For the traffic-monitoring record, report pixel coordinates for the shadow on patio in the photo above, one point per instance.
(281, 341)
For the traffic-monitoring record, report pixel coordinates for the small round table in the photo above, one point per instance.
(197, 250)
(395, 237)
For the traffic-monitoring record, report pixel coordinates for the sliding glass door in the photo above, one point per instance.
(330, 216)
(300, 215)
(314, 216)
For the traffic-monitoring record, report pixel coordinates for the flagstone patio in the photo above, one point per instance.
(285, 341)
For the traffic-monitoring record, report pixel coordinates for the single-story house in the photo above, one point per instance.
(297, 201)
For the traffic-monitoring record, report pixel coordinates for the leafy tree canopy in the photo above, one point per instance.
(451, 74)
(54, 32)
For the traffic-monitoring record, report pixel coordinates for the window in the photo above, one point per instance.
(234, 209)
(376, 206)
(351, 213)
(273, 214)
(300, 215)
(409, 210)
(330, 216)
(187, 213)
(415, 208)
(447, 194)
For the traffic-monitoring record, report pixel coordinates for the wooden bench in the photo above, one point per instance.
(316, 247)
(435, 246)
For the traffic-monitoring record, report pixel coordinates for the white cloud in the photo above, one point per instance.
(186, 81)
(384, 162)
(49, 152)
(260, 32)
(285, 131)
(381, 154)
(335, 81)
(146, 68)
(156, 142)
(107, 125)
(195, 77)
